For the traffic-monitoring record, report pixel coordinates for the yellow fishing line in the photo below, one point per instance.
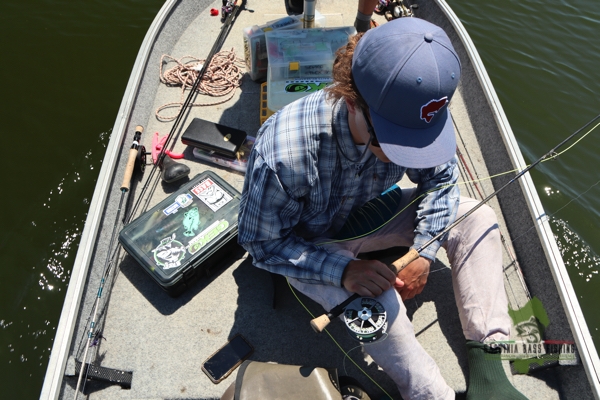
(552, 157)
(337, 343)
(577, 141)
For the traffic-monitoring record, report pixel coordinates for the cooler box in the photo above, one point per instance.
(187, 234)
(300, 62)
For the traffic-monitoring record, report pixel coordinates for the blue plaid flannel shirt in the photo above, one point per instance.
(299, 187)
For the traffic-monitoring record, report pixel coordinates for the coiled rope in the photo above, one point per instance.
(222, 77)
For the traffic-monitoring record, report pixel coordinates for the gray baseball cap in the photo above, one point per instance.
(407, 71)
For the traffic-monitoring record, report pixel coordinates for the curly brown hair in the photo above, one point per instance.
(343, 82)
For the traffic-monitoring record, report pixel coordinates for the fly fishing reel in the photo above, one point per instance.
(366, 320)
(140, 159)
(393, 9)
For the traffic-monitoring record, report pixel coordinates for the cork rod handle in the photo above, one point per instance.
(131, 160)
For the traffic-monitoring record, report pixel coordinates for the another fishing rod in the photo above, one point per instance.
(319, 323)
(230, 11)
(131, 161)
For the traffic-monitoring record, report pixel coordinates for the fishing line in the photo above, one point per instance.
(551, 155)
(514, 302)
(236, 8)
(547, 216)
(347, 355)
(513, 261)
(337, 343)
(576, 198)
(321, 322)
(131, 161)
(110, 260)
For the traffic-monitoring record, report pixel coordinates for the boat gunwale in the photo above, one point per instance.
(69, 314)
(575, 316)
(68, 318)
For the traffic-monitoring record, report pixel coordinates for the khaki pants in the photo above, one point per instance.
(475, 254)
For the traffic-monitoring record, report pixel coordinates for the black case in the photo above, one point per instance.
(215, 137)
(187, 234)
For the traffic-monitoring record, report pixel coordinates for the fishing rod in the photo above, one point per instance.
(230, 12)
(131, 162)
(321, 322)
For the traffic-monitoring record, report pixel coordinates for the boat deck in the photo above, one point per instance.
(164, 340)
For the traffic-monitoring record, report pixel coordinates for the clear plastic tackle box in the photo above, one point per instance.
(186, 235)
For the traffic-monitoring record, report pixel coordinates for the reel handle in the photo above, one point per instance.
(133, 153)
(320, 323)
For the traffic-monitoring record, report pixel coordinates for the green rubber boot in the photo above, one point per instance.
(487, 379)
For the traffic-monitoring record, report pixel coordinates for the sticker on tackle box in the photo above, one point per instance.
(211, 194)
(181, 201)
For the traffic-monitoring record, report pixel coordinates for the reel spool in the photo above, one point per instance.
(366, 320)
(140, 160)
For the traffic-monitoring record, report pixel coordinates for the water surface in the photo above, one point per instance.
(65, 67)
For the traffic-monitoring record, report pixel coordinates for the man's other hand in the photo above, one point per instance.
(413, 278)
(369, 278)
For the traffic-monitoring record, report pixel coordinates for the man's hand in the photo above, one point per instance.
(413, 278)
(369, 278)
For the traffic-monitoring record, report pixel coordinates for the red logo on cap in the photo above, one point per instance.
(429, 109)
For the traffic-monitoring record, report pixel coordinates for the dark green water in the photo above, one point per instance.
(64, 69)
(543, 58)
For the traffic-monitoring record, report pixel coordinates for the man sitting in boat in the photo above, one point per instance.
(320, 159)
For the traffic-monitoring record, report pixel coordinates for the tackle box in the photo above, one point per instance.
(301, 61)
(186, 235)
(255, 46)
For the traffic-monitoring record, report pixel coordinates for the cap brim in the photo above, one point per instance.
(416, 148)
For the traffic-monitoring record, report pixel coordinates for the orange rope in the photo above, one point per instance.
(221, 78)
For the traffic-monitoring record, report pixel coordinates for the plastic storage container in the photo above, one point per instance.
(187, 234)
(300, 61)
(255, 47)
